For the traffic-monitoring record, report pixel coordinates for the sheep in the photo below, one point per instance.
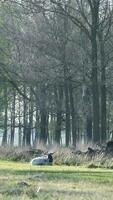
(43, 160)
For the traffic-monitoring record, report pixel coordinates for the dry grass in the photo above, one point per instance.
(61, 156)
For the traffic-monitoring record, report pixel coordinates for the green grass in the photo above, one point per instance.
(54, 182)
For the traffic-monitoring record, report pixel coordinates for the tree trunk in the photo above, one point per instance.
(29, 130)
(37, 125)
(88, 116)
(95, 95)
(43, 114)
(13, 119)
(37, 129)
(43, 134)
(24, 119)
(72, 109)
(95, 89)
(4, 139)
(67, 107)
(58, 98)
(103, 91)
(66, 74)
(89, 128)
(19, 128)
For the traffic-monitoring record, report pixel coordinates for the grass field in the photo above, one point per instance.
(21, 181)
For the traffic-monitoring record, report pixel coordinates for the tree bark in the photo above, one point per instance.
(29, 130)
(67, 107)
(25, 122)
(72, 110)
(66, 77)
(95, 89)
(43, 134)
(59, 98)
(43, 114)
(103, 90)
(13, 118)
(37, 128)
(19, 128)
(4, 139)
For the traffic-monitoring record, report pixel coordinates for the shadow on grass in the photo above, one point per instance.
(98, 177)
(34, 171)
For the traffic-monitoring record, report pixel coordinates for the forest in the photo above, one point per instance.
(56, 72)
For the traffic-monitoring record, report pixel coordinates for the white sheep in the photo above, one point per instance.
(43, 160)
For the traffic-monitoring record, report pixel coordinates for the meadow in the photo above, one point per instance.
(21, 181)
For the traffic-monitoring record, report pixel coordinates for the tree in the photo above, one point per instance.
(90, 27)
(59, 100)
(53, 54)
(103, 35)
(13, 117)
(5, 139)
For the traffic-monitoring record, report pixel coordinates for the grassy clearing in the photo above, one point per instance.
(21, 181)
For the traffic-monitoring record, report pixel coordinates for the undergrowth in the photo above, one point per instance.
(61, 156)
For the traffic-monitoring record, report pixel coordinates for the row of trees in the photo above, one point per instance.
(56, 71)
